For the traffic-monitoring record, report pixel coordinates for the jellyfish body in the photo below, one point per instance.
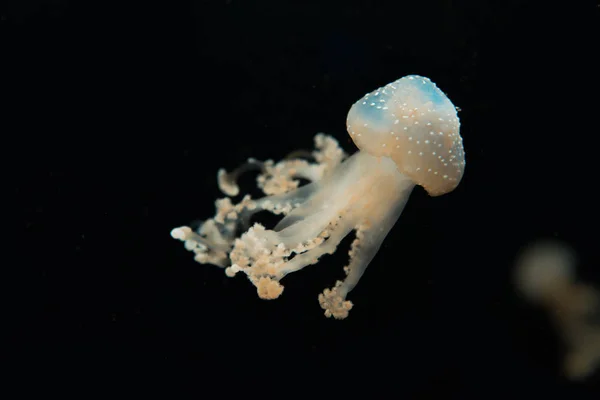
(407, 134)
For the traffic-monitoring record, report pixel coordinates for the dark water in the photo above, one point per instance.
(120, 115)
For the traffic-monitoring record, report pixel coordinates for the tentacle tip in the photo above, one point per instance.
(226, 184)
(268, 289)
(180, 233)
(232, 270)
(334, 304)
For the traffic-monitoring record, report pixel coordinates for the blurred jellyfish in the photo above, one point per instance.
(407, 133)
(545, 275)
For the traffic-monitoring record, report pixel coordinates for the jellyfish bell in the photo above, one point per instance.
(412, 122)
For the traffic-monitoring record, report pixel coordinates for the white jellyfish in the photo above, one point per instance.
(545, 275)
(407, 133)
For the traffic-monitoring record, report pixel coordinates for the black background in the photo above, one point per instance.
(120, 114)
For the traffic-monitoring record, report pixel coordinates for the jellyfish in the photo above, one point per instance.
(407, 134)
(545, 275)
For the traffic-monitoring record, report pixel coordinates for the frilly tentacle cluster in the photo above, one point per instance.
(265, 255)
